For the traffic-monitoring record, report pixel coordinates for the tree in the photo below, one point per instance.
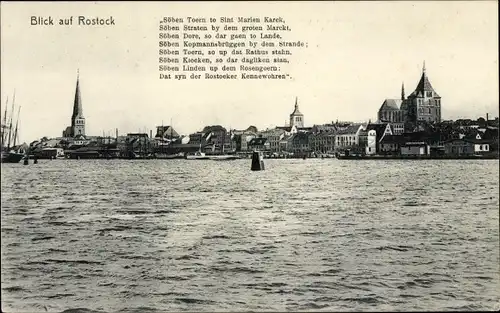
(481, 122)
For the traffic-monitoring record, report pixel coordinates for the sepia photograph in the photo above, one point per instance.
(244, 156)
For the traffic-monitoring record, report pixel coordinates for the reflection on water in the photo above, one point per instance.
(174, 235)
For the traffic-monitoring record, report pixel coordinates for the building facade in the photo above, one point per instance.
(274, 137)
(323, 142)
(349, 137)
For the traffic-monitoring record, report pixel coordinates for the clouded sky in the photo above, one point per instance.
(358, 54)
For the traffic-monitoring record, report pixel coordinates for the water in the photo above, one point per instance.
(178, 235)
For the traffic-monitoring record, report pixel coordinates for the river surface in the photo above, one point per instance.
(181, 235)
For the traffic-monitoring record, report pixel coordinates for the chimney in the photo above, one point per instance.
(150, 133)
(117, 134)
(487, 118)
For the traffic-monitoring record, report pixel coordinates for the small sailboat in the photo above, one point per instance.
(198, 155)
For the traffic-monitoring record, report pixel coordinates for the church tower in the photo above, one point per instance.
(296, 118)
(77, 119)
(424, 104)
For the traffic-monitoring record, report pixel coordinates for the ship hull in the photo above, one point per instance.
(11, 157)
(223, 157)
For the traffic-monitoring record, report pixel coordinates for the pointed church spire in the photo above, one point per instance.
(77, 104)
(296, 109)
(403, 91)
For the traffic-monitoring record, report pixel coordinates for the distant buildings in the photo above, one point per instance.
(406, 126)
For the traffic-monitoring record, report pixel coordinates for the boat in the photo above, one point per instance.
(224, 157)
(11, 157)
(169, 156)
(197, 156)
(8, 153)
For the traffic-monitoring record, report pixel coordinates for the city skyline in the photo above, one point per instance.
(346, 78)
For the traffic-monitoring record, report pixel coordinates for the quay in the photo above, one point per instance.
(418, 157)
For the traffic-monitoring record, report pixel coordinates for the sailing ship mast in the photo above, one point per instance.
(4, 125)
(17, 123)
(11, 116)
(171, 133)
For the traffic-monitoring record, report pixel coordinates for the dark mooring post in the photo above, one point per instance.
(35, 159)
(27, 157)
(257, 161)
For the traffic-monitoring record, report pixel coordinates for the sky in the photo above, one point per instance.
(358, 54)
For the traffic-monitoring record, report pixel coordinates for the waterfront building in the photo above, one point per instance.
(371, 136)
(391, 144)
(323, 142)
(258, 144)
(77, 128)
(121, 144)
(274, 137)
(220, 139)
(298, 143)
(349, 137)
(466, 146)
(199, 138)
(241, 138)
(137, 143)
(166, 132)
(458, 147)
(415, 149)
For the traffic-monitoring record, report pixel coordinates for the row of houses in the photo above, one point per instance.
(335, 137)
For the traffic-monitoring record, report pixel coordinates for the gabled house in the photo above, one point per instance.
(458, 147)
(274, 137)
(391, 144)
(167, 132)
(299, 143)
(348, 137)
(258, 144)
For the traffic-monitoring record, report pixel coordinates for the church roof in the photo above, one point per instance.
(285, 128)
(391, 104)
(296, 110)
(423, 85)
(351, 129)
(77, 104)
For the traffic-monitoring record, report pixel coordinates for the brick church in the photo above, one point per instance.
(422, 105)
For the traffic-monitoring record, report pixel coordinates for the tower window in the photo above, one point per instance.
(429, 93)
